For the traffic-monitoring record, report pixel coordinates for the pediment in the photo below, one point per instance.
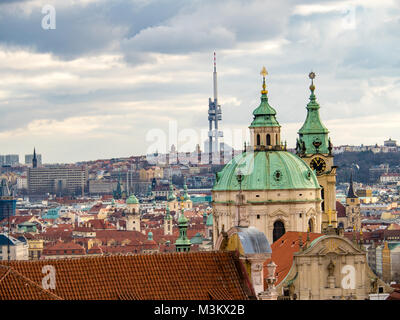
(279, 212)
(332, 244)
(311, 212)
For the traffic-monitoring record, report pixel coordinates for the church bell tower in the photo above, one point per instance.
(314, 146)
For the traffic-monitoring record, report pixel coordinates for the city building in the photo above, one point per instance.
(35, 249)
(7, 201)
(390, 177)
(102, 186)
(390, 143)
(12, 248)
(57, 180)
(9, 159)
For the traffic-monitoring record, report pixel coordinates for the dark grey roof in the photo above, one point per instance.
(4, 240)
(351, 193)
(253, 241)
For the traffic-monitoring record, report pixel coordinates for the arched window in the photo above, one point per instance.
(341, 225)
(279, 230)
(310, 225)
(276, 139)
(258, 139)
(268, 140)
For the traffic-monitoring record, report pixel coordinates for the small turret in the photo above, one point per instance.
(167, 222)
(265, 129)
(171, 195)
(183, 243)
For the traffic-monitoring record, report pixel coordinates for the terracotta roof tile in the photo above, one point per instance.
(168, 276)
(283, 250)
(14, 286)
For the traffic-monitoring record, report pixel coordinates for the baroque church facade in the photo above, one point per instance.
(267, 195)
(271, 189)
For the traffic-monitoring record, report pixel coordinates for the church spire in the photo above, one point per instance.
(350, 193)
(313, 134)
(264, 114)
(34, 159)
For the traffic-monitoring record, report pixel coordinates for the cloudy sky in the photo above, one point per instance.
(116, 76)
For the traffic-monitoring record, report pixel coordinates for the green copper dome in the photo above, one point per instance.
(264, 114)
(132, 200)
(266, 170)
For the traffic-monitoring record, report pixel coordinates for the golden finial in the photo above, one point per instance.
(311, 75)
(264, 73)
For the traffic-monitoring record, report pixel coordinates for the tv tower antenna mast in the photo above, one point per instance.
(214, 115)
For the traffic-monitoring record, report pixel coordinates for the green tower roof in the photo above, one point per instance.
(182, 220)
(182, 243)
(132, 200)
(313, 135)
(186, 196)
(171, 195)
(266, 170)
(313, 123)
(264, 114)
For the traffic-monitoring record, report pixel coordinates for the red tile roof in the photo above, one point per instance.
(283, 250)
(14, 286)
(119, 235)
(63, 248)
(167, 276)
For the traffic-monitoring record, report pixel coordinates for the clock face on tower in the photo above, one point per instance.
(318, 164)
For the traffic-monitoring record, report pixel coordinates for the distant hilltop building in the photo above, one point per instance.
(388, 146)
(390, 143)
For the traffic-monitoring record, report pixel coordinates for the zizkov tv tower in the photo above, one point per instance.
(214, 115)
